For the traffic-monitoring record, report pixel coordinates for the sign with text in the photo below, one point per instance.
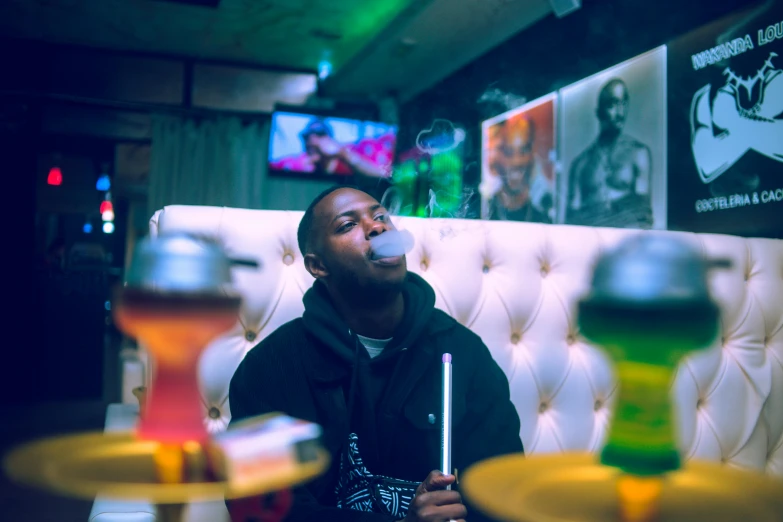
(726, 125)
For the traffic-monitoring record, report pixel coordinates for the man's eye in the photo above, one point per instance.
(345, 226)
(381, 217)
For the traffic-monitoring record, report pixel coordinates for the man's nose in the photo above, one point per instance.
(375, 228)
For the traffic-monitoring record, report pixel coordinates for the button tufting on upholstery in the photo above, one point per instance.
(485, 269)
(552, 358)
(250, 336)
(288, 259)
(515, 337)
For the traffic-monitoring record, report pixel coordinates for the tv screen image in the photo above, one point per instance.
(317, 146)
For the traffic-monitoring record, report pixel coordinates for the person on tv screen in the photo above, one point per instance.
(609, 182)
(524, 194)
(323, 154)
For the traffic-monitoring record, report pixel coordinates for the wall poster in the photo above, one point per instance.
(613, 146)
(726, 125)
(518, 163)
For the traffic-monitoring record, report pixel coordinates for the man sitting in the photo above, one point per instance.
(364, 362)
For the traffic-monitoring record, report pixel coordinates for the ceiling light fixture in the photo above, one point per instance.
(324, 69)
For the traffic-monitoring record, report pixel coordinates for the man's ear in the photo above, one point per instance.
(315, 266)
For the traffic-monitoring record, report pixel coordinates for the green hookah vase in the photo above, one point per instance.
(648, 307)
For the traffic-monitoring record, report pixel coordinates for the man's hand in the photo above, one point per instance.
(434, 503)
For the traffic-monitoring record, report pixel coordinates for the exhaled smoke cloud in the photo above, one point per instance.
(500, 101)
(391, 244)
(442, 136)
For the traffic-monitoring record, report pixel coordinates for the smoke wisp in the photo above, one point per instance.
(497, 101)
(442, 136)
(437, 206)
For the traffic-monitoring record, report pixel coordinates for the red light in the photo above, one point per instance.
(106, 205)
(55, 177)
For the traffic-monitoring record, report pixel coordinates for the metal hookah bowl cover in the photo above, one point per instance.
(179, 263)
(651, 270)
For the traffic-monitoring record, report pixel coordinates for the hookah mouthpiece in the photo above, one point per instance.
(391, 244)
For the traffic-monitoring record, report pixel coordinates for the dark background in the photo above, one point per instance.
(547, 56)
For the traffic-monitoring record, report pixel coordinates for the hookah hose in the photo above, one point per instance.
(264, 508)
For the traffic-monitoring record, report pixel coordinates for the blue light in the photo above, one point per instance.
(108, 227)
(104, 183)
(324, 69)
(87, 228)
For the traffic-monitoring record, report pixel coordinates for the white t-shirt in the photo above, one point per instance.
(374, 346)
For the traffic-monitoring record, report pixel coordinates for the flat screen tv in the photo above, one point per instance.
(312, 146)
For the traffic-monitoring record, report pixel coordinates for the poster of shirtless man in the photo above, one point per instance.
(614, 146)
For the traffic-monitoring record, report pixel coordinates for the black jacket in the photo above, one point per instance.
(312, 368)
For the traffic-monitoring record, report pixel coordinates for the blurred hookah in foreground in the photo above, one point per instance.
(648, 307)
(175, 302)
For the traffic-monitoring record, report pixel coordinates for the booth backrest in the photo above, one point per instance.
(516, 285)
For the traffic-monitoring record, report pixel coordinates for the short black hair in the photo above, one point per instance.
(306, 224)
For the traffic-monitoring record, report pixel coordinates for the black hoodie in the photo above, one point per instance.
(315, 368)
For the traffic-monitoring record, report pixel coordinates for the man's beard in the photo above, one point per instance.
(610, 131)
(369, 294)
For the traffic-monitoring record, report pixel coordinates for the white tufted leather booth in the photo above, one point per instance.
(516, 285)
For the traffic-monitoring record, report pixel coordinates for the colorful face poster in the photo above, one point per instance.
(518, 163)
(726, 125)
(613, 146)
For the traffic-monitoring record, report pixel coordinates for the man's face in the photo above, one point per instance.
(344, 222)
(613, 106)
(313, 150)
(515, 154)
